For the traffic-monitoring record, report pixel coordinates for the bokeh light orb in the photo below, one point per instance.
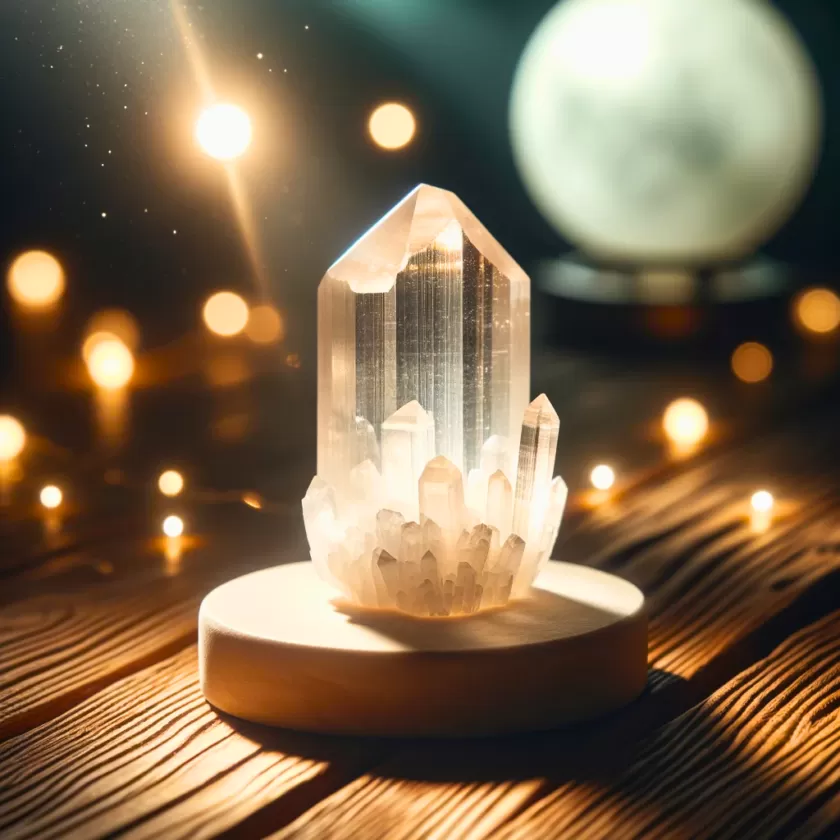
(223, 131)
(602, 477)
(762, 501)
(685, 422)
(173, 526)
(51, 497)
(170, 482)
(683, 130)
(36, 279)
(818, 311)
(110, 364)
(392, 126)
(225, 314)
(752, 362)
(265, 325)
(12, 437)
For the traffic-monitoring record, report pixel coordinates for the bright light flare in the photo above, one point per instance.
(12, 437)
(51, 497)
(685, 422)
(173, 526)
(752, 362)
(265, 325)
(225, 314)
(818, 311)
(762, 501)
(170, 483)
(110, 363)
(224, 131)
(392, 126)
(602, 477)
(36, 280)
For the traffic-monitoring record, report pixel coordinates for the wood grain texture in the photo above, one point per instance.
(59, 648)
(760, 758)
(149, 758)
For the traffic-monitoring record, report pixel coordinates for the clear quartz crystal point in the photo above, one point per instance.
(441, 491)
(537, 451)
(408, 439)
(434, 497)
(426, 306)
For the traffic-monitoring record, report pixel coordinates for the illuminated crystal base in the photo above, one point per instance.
(279, 647)
(413, 539)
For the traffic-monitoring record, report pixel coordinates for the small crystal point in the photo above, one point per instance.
(499, 503)
(407, 446)
(389, 526)
(389, 569)
(537, 451)
(441, 492)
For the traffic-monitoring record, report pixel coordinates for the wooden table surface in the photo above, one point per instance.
(104, 731)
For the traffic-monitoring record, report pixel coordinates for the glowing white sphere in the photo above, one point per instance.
(602, 477)
(224, 131)
(173, 526)
(51, 496)
(762, 501)
(665, 129)
(685, 422)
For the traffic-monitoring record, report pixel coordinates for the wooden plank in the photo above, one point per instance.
(62, 647)
(149, 758)
(760, 758)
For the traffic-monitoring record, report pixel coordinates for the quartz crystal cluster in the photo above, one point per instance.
(434, 494)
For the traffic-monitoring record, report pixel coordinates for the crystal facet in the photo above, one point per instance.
(537, 451)
(434, 493)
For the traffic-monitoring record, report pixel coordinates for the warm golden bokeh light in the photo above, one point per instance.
(51, 496)
(685, 422)
(110, 364)
(752, 362)
(392, 126)
(602, 477)
(293, 361)
(265, 326)
(12, 437)
(171, 483)
(225, 314)
(762, 501)
(224, 131)
(36, 279)
(252, 500)
(173, 526)
(818, 311)
(113, 322)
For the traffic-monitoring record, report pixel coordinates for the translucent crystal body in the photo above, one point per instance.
(434, 492)
(427, 306)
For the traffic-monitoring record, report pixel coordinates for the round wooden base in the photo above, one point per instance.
(278, 647)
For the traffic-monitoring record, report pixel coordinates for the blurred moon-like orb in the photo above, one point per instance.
(224, 131)
(36, 279)
(650, 130)
(392, 126)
